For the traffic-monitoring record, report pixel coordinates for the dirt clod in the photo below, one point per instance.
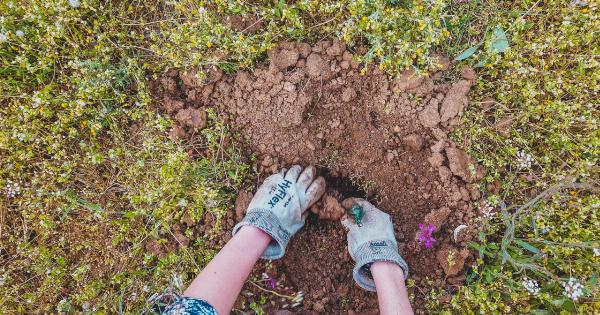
(430, 116)
(177, 133)
(316, 65)
(456, 100)
(459, 162)
(452, 260)
(191, 117)
(284, 56)
(328, 208)
(437, 217)
(171, 105)
(242, 201)
(413, 141)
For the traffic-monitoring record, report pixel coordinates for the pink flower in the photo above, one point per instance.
(425, 235)
(269, 281)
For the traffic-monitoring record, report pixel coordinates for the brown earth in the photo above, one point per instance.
(372, 136)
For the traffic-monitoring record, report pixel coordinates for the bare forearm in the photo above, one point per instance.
(391, 291)
(222, 279)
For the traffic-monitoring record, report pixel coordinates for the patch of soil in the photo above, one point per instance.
(386, 136)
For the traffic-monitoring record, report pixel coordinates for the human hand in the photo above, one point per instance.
(278, 207)
(373, 241)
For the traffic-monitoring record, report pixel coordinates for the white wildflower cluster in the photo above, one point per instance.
(573, 289)
(596, 252)
(531, 286)
(74, 3)
(487, 209)
(524, 159)
(12, 188)
(3, 38)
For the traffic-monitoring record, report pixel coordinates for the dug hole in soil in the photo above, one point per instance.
(381, 138)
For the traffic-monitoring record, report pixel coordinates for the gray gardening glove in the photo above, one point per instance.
(278, 207)
(373, 241)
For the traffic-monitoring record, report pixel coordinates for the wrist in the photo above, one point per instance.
(268, 223)
(386, 270)
(255, 234)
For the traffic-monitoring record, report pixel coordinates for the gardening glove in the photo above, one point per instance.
(372, 241)
(278, 207)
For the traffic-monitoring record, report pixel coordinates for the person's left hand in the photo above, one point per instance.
(278, 207)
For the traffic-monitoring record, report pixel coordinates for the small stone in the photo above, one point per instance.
(389, 156)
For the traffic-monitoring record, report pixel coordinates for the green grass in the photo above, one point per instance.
(88, 174)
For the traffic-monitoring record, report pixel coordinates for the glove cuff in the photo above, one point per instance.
(370, 252)
(266, 221)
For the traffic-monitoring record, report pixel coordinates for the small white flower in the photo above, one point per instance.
(531, 286)
(81, 103)
(20, 33)
(12, 188)
(596, 251)
(573, 289)
(487, 210)
(524, 159)
(3, 38)
(74, 3)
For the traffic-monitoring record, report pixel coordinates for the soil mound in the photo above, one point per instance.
(389, 136)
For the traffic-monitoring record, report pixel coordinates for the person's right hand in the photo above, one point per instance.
(373, 241)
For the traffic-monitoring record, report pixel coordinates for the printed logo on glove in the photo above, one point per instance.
(279, 206)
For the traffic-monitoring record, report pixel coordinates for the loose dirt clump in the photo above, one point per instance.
(452, 260)
(388, 136)
(328, 208)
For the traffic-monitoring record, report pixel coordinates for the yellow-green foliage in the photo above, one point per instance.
(400, 35)
(87, 172)
(537, 102)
